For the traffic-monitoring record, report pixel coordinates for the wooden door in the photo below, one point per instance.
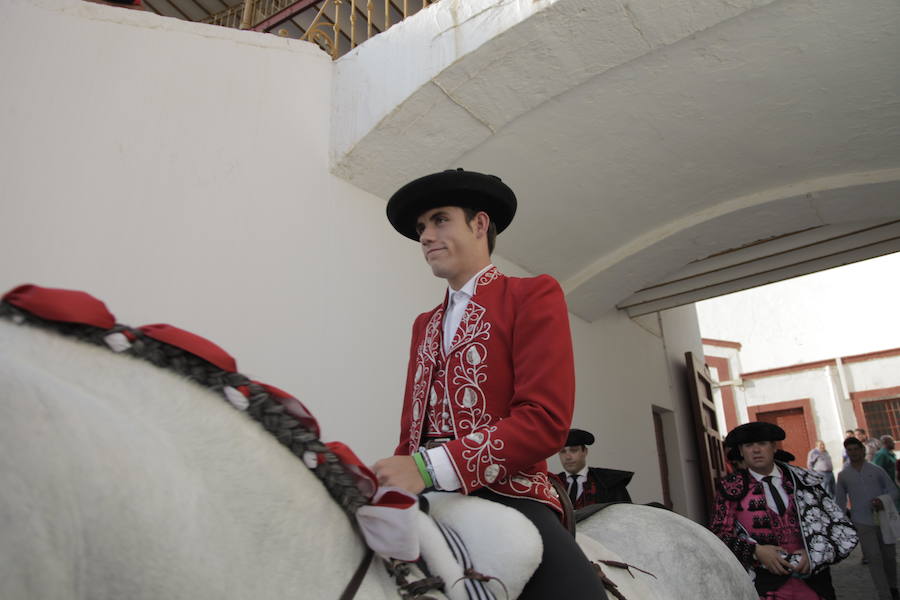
(793, 420)
(710, 451)
(663, 459)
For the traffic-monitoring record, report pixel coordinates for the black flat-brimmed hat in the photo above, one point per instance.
(756, 431)
(579, 437)
(455, 187)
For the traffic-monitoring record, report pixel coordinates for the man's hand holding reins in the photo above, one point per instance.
(399, 471)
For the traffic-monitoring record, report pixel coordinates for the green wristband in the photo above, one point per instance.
(423, 470)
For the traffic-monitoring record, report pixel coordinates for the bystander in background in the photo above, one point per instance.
(871, 492)
(819, 461)
(847, 434)
(885, 458)
(872, 445)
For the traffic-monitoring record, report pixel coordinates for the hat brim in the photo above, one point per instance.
(756, 431)
(466, 189)
(579, 437)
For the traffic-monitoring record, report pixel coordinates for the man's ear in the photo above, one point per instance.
(482, 222)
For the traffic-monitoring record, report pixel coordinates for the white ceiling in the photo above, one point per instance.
(718, 133)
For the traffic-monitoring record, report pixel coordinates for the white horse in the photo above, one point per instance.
(121, 480)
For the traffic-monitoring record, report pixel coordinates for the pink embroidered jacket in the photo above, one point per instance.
(504, 392)
(828, 536)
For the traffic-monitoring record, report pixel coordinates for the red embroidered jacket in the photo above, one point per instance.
(504, 392)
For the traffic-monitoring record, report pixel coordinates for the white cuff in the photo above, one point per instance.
(389, 524)
(443, 469)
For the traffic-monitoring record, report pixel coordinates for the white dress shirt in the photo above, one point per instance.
(457, 302)
(777, 480)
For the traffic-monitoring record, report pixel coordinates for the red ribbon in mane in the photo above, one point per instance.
(190, 342)
(67, 306)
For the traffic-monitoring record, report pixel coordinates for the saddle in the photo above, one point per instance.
(466, 547)
(477, 548)
(482, 550)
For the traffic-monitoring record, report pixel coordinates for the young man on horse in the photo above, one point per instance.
(490, 385)
(779, 521)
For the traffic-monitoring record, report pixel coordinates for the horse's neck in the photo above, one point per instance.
(121, 480)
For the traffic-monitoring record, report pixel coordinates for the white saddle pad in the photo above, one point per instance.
(501, 543)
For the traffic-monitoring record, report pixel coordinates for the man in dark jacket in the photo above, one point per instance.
(590, 485)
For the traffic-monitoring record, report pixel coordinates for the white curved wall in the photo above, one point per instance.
(180, 173)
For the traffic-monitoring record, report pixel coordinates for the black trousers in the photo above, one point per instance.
(564, 572)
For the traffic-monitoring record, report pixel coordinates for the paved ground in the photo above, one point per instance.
(851, 579)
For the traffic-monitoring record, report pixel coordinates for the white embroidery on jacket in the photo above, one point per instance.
(467, 367)
(487, 277)
(425, 363)
(539, 483)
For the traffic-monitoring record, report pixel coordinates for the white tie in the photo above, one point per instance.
(455, 308)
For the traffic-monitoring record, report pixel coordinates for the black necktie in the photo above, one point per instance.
(573, 489)
(775, 495)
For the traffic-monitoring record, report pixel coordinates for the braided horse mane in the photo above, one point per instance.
(264, 407)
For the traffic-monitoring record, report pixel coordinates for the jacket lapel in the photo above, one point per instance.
(474, 313)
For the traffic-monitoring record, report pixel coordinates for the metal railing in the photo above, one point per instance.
(230, 17)
(337, 26)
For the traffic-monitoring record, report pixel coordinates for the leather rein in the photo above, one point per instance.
(353, 585)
